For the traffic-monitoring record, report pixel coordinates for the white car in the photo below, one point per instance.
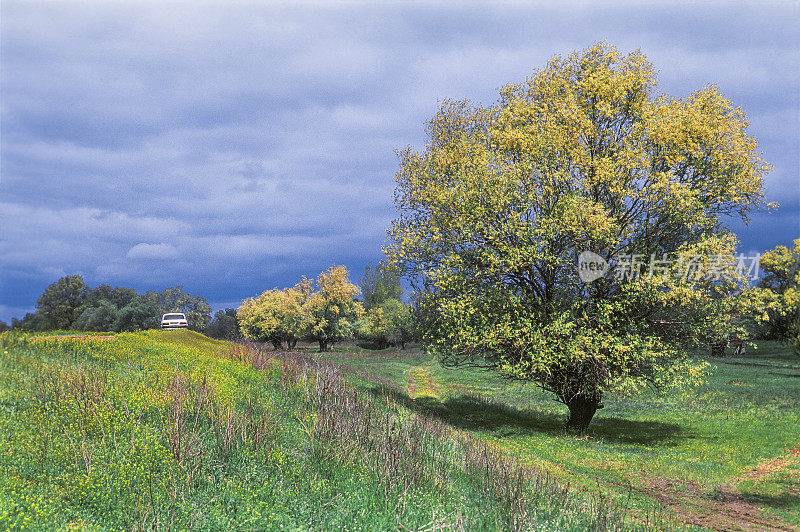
(174, 320)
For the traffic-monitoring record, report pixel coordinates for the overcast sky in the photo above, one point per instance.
(234, 149)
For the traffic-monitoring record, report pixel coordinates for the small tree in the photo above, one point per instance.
(780, 287)
(261, 318)
(374, 327)
(277, 316)
(333, 308)
(400, 328)
(390, 323)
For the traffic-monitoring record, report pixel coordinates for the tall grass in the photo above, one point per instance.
(408, 451)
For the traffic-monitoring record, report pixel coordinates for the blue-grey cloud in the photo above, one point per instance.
(234, 149)
(144, 250)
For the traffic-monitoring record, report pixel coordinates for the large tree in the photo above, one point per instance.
(583, 156)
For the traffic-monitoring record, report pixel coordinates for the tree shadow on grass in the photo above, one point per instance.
(784, 501)
(475, 413)
(795, 375)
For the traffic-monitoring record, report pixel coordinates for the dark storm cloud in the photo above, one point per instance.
(234, 148)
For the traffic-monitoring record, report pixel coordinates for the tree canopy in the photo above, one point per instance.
(70, 304)
(59, 304)
(327, 315)
(781, 288)
(582, 156)
(380, 283)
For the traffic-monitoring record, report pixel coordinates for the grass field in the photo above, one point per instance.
(724, 456)
(171, 430)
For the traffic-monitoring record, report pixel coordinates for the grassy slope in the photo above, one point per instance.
(173, 430)
(738, 432)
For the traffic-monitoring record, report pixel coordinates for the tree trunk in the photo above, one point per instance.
(292, 342)
(276, 344)
(323, 345)
(738, 348)
(581, 411)
(718, 348)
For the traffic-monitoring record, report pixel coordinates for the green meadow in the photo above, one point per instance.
(725, 453)
(173, 431)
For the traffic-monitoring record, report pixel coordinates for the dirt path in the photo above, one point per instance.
(769, 467)
(725, 509)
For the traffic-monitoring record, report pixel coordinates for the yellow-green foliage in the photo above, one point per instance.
(375, 325)
(328, 314)
(781, 291)
(333, 307)
(278, 315)
(387, 323)
(583, 156)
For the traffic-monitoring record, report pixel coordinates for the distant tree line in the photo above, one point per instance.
(329, 310)
(69, 304)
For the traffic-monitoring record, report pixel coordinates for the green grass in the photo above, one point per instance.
(747, 413)
(172, 430)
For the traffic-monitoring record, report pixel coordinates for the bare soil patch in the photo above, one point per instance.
(769, 467)
(725, 509)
